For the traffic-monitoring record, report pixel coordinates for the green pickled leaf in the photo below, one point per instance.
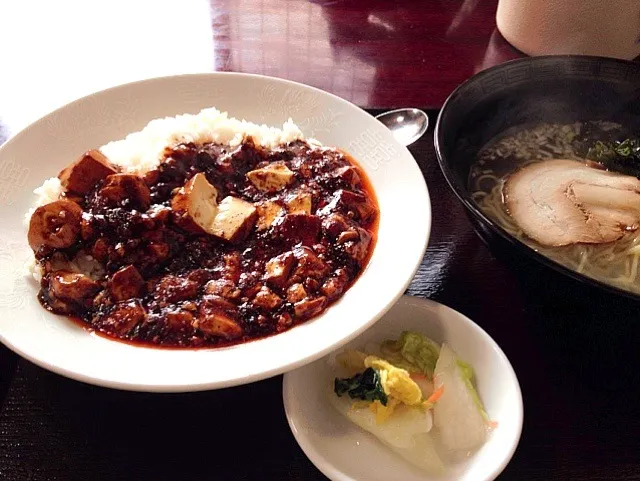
(392, 352)
(365, 386)
(413, 352)
(467, 377)
(467, 370)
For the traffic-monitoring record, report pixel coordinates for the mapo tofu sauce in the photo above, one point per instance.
(216, 246)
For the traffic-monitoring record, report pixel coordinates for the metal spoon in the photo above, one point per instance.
(407, 125)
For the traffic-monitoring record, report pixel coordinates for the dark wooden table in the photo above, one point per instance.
(375, 53)
(574, 350)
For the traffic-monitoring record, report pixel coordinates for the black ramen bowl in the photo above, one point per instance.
(560, 89)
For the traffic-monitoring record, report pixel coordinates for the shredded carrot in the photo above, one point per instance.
(492, 424)
(436, 395)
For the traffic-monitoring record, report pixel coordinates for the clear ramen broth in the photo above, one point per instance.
(615, 263)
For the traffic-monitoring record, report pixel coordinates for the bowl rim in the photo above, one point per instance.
(463, 195)
(283, 366)
(329, 470)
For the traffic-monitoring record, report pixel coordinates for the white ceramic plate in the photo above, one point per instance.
(45, 147)
(344, 452)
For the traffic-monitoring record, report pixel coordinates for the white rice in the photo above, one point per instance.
(49, 191)
(142, 151)
(82, 263)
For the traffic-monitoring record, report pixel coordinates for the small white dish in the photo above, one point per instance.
(344, 452)
(50, 144)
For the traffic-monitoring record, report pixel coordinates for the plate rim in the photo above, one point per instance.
(78, 375)
(328, 469)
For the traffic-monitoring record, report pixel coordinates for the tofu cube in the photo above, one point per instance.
(234, 220)
(278, 268)
(83, 175)
(217, 317)
(346, 201)
(222, 287)
(272, 178)
(348, 174)
(309, 265)
(123, 318)
(300, 203)
(309, 307)
(219, 324)
(268, 212)
(126, 190)
(72, 286)
(266, 299)
(196, 210)
(126, 283)
(195, 205)
(296, 293)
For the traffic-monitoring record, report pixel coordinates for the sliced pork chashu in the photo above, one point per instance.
(562, 202)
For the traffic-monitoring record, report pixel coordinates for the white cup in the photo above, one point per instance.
(608, 28)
